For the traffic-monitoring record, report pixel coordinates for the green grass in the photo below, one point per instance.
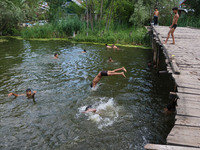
(65, 28)
(130, 36)
(190, 21)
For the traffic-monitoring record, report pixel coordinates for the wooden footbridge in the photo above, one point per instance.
(183, 62)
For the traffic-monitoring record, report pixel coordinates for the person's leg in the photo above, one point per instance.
(111, 73)
(156, 20)
(172, 33)
(119, 69)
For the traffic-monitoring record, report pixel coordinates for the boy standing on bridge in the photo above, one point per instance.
(156, 15)
(173, 26)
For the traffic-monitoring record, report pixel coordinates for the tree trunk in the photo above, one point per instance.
(87, 15)
(108, 18)
(101, 11)
(91, 17)
(111, 14)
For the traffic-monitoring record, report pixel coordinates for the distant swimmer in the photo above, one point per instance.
(110, 59)
(28, 94)
(107, 73)
(55, 56)
(90, 109)
(84, 51)
(114, 46)
(171, 107)
(107, 46)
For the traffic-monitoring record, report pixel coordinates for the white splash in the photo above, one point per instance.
(107, 112)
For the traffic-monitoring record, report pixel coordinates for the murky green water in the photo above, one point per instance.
(130, 109)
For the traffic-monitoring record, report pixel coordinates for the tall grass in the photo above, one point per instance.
(134, 36)
(59, 29)
(65, 28)
(188, 20)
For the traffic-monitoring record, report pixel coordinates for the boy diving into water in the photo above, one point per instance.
(28, 94)
(107, 73)
(173, 26)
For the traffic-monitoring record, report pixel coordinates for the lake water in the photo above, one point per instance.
(130, 109)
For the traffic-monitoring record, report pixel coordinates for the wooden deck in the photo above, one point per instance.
(185, 55)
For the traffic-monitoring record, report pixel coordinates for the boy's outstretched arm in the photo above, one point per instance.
(10, 94)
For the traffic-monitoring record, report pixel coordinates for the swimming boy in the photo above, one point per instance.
(107, 73)
(84, 51)
(110, 59)
(156, 15)
(55, 56)
(28, 94)
(90, 109)
(173, 26)
(107, 46)
(114, 46)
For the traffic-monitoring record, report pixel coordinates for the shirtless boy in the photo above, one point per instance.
(55, 56)
(28, 94)
(90, 109)
(107, 73)
(173, 26)
(110, 59)
(156, 15)
(107, 46)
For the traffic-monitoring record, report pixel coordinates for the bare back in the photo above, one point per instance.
(96, 79)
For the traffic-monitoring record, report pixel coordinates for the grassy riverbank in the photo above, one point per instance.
(130, 36)
(119, 34)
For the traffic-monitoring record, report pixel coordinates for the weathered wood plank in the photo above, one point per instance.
(188, 111)
(186, 56)
(185, 136)
(187, 121)
(167, 147)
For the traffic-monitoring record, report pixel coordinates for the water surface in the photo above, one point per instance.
(130, 109)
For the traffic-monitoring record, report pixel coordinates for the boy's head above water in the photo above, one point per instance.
(28, 91)
(56, 55)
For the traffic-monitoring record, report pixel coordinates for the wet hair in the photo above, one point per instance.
(84, 50)
(106, 44)
(27, 90)
(90, 106)
(109, 57)
(55, 54)
(175, 8)
(156, 8)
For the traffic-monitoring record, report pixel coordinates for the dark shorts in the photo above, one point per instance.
(104, 73)
(174, 26)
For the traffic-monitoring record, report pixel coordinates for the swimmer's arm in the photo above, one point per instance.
(34, 92)
(16, 95)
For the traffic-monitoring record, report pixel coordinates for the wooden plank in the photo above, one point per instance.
(188, 111)
(188, 97)
(187, 121)
(185, 136)
(186, 131)
(167, 147)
